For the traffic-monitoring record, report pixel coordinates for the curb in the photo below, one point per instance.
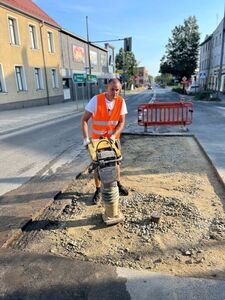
(210, 161)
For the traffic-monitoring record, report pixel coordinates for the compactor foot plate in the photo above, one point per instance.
(113, 221)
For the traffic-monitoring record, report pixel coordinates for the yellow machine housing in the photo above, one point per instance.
(102, 144)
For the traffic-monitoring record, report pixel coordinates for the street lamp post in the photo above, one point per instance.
(89, 85)
(124, 73)
(88, 43)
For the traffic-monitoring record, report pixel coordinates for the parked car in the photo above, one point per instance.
(192, 89)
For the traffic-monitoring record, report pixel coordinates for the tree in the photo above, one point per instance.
(150, 78)
(181, 55)
(130, 65)
(164, 78)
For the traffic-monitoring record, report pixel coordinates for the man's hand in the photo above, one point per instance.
(86, 141)
(113, 138)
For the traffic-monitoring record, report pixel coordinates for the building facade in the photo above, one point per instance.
(85, 66)
(212, 61)
(41, 63)
(30, 58)
(142, 77)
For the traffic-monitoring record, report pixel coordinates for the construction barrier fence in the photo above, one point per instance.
(165, 113)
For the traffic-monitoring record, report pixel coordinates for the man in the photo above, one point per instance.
(107, 111)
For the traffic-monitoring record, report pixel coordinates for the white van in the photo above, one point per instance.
(192, 89)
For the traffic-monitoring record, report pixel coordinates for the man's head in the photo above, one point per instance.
(113, 88)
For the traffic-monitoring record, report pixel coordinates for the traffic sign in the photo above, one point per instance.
(202, 75)
(79, 78)
(91, 78)
(119, 71)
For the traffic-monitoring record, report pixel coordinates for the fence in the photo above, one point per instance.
(165, 113)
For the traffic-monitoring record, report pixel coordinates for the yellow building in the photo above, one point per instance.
(29, 56)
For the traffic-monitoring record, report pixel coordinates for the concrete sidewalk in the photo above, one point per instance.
(14, 120)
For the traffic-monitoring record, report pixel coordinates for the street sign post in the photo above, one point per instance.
(79, 78)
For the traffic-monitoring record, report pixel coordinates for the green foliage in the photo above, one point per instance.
(181, 55)
(202, 95)
(215, 99)
(130, 64)
(158, 79)
(178, 90)
(150, 78)
(206, 96)
(164, 79)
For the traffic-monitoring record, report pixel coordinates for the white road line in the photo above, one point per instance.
(153, 97)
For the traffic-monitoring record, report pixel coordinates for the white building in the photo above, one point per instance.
(211, 51)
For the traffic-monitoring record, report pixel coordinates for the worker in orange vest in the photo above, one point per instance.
(107, 111)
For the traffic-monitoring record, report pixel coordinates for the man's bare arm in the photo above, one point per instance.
(120, 125)
(84, 123)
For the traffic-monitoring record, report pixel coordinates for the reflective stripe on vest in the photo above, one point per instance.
(101, 133)
(103, 123)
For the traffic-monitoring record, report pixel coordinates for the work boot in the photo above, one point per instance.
(96, 197)
(122, 190)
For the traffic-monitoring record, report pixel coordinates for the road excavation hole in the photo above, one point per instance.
(166, 175)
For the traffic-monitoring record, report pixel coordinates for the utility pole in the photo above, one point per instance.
(124, 73)
(222, 54)
(88, 43)
(89, 60)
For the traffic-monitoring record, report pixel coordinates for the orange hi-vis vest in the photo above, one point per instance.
(103, 124)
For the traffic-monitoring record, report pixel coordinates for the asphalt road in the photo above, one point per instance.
(43, 148)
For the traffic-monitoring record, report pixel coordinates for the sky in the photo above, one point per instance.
(149, 23)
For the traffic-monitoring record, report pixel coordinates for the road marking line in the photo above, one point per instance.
(153, 98)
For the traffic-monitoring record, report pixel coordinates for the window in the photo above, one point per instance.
(33, 36)
(38, 79)
(50, 42)
(20, 78)
(13, 31)
(55, 83)
(2, 81)
(65, 83)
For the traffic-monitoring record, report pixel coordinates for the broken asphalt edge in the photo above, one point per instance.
(51, 188)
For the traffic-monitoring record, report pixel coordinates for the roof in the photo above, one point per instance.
(206, 40)
(30, 8)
